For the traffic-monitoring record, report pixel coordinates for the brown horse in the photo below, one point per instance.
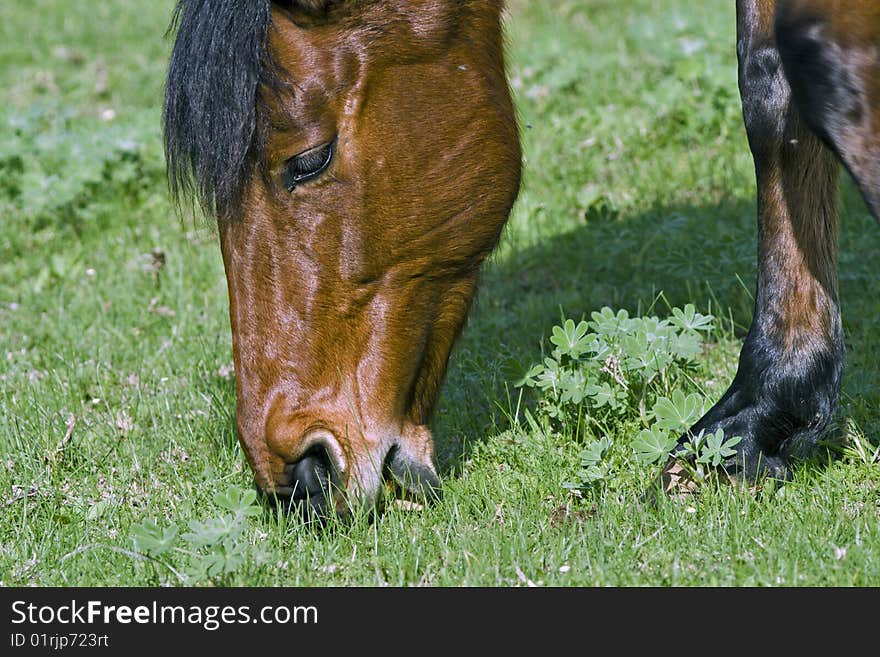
(361, 159)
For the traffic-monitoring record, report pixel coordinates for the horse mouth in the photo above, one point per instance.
(314, 489)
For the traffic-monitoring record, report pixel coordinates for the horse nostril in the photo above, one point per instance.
(412, 477)
(312, 476)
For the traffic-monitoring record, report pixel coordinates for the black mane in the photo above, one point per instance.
(209, 116)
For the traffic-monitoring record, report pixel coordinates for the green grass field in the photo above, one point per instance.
(116, 392)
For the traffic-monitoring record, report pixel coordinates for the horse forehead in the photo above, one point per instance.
(381, 28)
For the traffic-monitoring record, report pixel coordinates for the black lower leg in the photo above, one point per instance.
(785, 389)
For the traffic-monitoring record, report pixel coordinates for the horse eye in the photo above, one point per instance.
(306, 166)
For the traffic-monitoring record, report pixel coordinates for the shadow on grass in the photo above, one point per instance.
(690, 254)
(703, 255)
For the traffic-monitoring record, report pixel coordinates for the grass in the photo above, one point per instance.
(116, 396)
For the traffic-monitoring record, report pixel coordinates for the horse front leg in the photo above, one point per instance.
(786, 386)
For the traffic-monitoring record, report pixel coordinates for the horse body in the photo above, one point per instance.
(830, 50)
(362, 158)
